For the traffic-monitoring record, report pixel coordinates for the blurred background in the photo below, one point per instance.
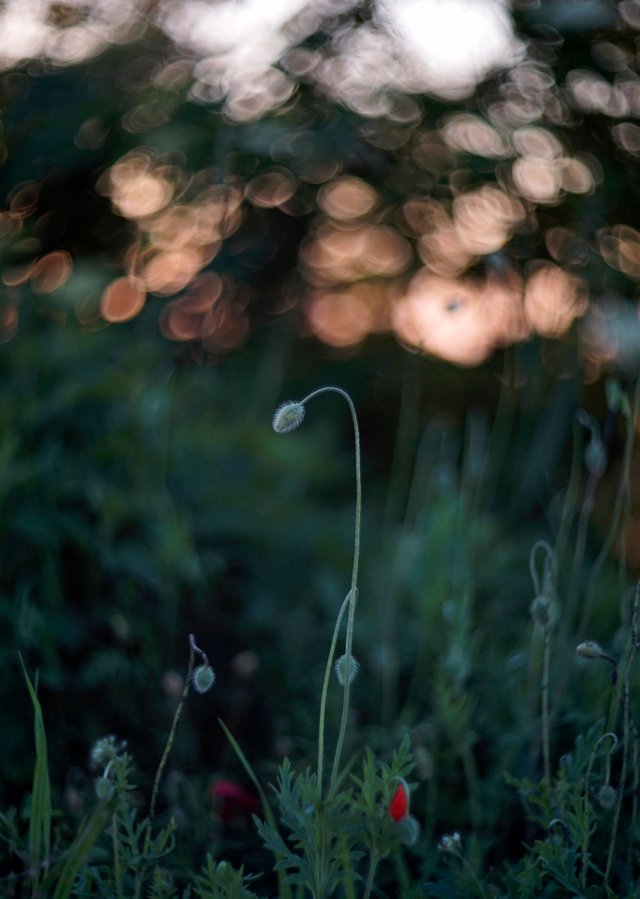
(211, 206)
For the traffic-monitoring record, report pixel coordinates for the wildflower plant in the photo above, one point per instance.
(329, 832)
(287, 417)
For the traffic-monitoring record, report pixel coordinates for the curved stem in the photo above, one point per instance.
(353, 592)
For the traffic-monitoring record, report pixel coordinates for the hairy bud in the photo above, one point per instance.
(590, 650)
(288, 417)
(607, 796)
(346, 668)
(203, 678)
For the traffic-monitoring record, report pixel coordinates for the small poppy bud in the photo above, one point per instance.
(399, 805)
(590, 650)
(607, 796)
(539, 610)
(288, 417)
(346, 667)
(204, 678)
(408, 830)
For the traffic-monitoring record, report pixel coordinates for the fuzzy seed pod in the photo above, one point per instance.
(408, 830)
(589, 650)
(203, 678)
(607, 796)
(288, 417)
(539, 610)
(346, 667)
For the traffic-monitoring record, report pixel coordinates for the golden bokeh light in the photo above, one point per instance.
(346, 198)
(553, 299)
(591, 92)
(537, 178)
(344, 317)
(122, 300)
(271, 189)
(620, 248)
(468, 132)
(460, 320)
(627, 137)
(340, 253)
(137, 190)
(51, 272)
(9, 321)
(169, 271)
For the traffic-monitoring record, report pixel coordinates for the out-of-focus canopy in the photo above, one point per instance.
(456, 172)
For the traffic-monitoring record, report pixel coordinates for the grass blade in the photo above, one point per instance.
(284, 890)
(40, 819)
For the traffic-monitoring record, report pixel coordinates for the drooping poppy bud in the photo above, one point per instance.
(399, 805)
(288, 417)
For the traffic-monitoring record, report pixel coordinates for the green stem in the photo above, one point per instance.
(325, 690)
(163, 763)
(586, 805)
(353, 592)
(117, 870)
(373, 864)
(616, 527)
(546, 748)
(626, 727)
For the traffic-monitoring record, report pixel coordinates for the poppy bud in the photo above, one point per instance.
(607, 796)
(399, 805)
(408, 830)
(590, 650)
(346, 668)
(203, 678)
(288, 417)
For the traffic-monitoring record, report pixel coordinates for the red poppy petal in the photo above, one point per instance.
(399, 805)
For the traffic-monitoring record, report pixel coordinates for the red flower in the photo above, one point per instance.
(399, 805)
(233, 800)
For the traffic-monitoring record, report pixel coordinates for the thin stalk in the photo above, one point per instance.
(163, 763)
(347, 876)
(546, 730)
(117, 869)
(471, 778)
(571, 496)
(353, 592)
(545, 592)
(634, 793)
(617, 518)
(373, 865)
(325, 690)
(586, 805)
(626, 728)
